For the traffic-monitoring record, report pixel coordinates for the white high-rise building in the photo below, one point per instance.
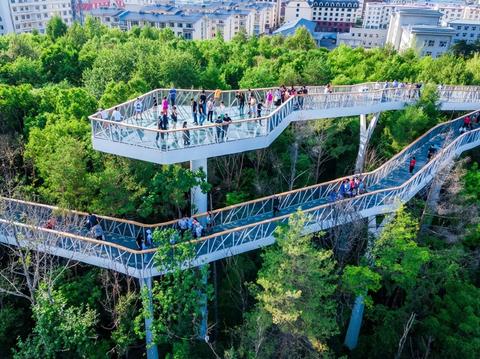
(419, 29)
(22, 16)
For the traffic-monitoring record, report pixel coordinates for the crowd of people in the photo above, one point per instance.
(211, 110)
(349, 188)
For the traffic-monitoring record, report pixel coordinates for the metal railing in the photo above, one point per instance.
(182, 138)
(25, 221)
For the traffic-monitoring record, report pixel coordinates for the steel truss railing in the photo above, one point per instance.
(337, 213)
(177, 139)
(22, 223)
(134, 133)
(151, 101)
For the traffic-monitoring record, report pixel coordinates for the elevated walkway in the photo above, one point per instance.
(238, 228)
(137, 136)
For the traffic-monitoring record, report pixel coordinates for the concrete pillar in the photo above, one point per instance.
(366, 132)
(152, 350)
(353, 331)
(200, 205)
(199, 199)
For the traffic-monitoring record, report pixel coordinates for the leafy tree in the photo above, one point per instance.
(169, 186)
(301, 40)
(125, 313)
(16, 102)
(180, 294)
(455, 322)
(59, 329)
(297, 284)
(360, 281)
(60, 62)
(56, 28)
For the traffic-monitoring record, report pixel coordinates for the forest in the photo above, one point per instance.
(293, 299)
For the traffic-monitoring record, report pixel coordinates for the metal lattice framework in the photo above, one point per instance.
(143, 134)
(70, 238)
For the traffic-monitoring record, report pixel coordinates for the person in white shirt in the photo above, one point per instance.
(138, 105)
(103, 114)
(116, 115)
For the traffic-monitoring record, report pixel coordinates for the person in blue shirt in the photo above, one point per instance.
(172, 94)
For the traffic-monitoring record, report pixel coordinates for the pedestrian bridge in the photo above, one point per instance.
(136, 135)
(239, 228)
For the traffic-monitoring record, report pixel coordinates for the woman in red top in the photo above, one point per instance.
(413, 162)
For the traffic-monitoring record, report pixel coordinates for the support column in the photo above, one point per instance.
(152, 351)
(199, 199)
(353, 331)
(200, 205)
(366, 132)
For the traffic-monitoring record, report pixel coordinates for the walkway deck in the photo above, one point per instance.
(137, 136)
(238, 228)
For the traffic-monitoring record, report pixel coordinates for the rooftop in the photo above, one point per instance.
(290, 27)
(152, 17)
(464, 22)
(419, 11)
(431, 29)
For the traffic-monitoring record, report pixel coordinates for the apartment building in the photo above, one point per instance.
(420, 29)
(377, 14)
(186, 26)
(466, 30)
(361, 37)
(330, 15)
(197, 21)
(21, 16)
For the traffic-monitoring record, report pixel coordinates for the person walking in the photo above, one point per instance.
(139, 240)
(173, 95)
(219, 128)
(275, 205)
(194, 111)
(138, 106)
(174, 117)
(92, 220)
(226, 122)
(411, 167)
(269, 100)
(186, 135)
(217, 95)
(97, 232)
(241, 103)
(165, 105)
(203, 101)
(210, 110)
(201, 112)
(253, 106)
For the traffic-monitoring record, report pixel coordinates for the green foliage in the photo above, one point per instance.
(125, 312)
(455, 321)
(235, 198)
(168, 186)
(180, 294)
(56, 28)
(361, 280)
(471, 184)
(16, 102)
(11, 321)
(297, 284)
(59, 329)
(398, 258)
